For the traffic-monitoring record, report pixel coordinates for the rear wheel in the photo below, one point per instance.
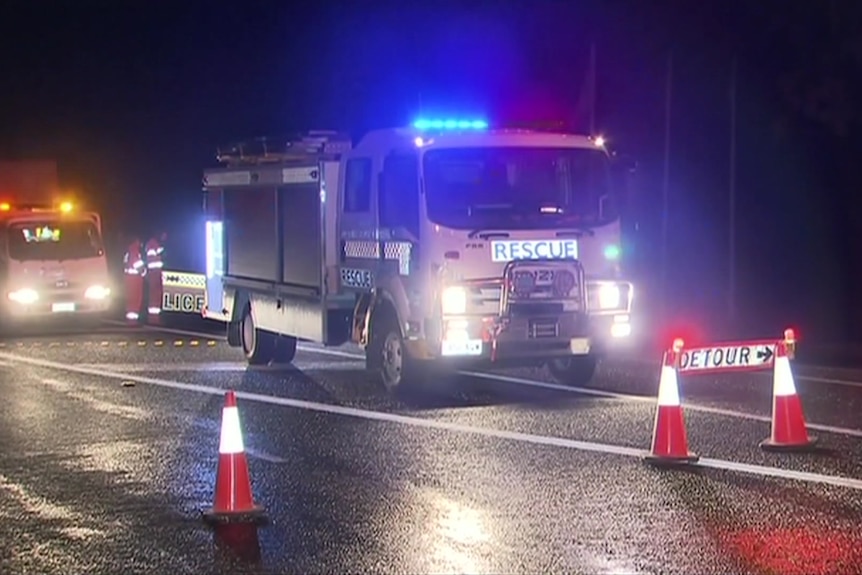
(285, 349)
(577, 370)
(257, 345)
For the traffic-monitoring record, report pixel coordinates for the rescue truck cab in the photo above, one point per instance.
(52, 263)
(447, 243)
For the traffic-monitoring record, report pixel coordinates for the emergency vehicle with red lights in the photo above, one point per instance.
(52, 258)
(446, 243)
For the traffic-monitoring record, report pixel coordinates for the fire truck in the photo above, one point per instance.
(447, 243)
(52, 258)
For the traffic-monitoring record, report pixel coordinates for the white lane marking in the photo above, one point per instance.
(641, 360)
(825, 380)
(37, 505)
(48, 511)
(264, 456)
(835, 480)
(157, 367)
(618, 396)
(236, 367)
(645, 399)
(605, 394)
(94, 403)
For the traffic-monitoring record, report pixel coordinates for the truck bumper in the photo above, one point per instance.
(44, 310)
(526, 340)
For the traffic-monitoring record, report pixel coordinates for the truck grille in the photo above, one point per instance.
(543, 282)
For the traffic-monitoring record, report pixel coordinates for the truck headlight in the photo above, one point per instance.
(24, 296)
(97, 292)
(454, 300)
(609, 296)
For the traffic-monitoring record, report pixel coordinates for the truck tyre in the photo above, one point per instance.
(390, 357)
(576, 371)
(257, 345)
(285, 349)
(234, 333)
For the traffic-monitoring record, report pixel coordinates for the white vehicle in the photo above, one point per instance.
(445, 243)
(52, 263)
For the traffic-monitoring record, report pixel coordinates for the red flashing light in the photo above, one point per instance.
(790, 335)
(678, 344)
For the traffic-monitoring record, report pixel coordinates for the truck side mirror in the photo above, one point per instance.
(624, 172)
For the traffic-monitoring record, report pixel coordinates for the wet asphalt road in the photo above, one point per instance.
(109, 448)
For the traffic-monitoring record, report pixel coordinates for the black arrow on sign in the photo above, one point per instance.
(765, 354)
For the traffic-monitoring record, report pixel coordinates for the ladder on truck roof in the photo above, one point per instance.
(276, 150)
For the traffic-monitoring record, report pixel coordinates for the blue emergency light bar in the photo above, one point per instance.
(449, 124)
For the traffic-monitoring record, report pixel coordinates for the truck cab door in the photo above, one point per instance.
(398, 199)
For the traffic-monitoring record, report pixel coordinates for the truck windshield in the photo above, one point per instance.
(54, 240)
(517, 187)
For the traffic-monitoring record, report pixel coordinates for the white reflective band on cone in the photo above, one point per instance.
(668, 391)
(154, 310)
(155, 265)
(131, 315)
(231, 435)
(782, 384)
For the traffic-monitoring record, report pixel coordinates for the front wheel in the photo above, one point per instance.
(390, 357)
(576, 371)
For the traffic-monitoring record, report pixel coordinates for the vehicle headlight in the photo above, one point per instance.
(97, 292)
(609, 296)
(24, 296)
(454, 300)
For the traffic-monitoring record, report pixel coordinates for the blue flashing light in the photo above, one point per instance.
(449, 124)
(612, 252)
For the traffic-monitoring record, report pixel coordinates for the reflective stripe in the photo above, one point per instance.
(131, 315)
(154, 310)
(152, 252)
(132, 272)
(138, 264)
(230, 442)
(155, 265)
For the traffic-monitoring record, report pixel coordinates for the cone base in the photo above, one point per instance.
(256, 514)
(670, 461)
(769, 445)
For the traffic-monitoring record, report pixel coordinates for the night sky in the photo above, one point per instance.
(132, 99)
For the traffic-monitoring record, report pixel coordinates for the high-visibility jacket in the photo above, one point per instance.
(133, 260)
(154, 255)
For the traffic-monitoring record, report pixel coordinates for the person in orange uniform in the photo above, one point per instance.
(134, 270)
(155, 248)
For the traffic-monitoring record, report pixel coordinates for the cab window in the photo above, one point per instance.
(357, 186)
(399, 193)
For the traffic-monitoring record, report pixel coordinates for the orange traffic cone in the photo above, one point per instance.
(233, 499)
(669, 441)
(788, 421)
